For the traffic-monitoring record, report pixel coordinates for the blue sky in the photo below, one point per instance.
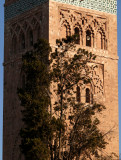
(1, 67)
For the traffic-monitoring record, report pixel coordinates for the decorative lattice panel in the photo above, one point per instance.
(21, 6)
(109, 6)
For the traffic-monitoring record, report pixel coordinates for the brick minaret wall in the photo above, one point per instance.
(60, 16)
(53, 20)
(36, 20)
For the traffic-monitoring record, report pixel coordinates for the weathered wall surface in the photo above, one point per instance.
(65, 19)
(17, 42)
(53, 20)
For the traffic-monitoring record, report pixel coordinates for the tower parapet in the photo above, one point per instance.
(16, 7)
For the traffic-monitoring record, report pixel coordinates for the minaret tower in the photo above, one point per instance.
(96, 23)
(25, 22)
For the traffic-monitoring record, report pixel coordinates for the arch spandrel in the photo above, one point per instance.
(65, 29)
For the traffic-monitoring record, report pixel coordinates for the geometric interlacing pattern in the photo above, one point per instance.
(109, 6)
(21, 6)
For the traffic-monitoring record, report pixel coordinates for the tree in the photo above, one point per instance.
(67, 129)
(39, 126)
(82, 137)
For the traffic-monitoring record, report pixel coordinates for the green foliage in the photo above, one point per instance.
(86, 140)
(46, 133)
(82, 137)
(39, 125)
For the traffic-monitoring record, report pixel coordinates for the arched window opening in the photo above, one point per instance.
(22, 41)
(82, 22)
(87, 95)
(77, 35)
(78, 94)
(14, 45)
(30, 38)
(94, 23)
(88, 38)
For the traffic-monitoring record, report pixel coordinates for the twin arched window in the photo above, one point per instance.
(88, 98)
(24, 40)
(100, 37)
(88, 37)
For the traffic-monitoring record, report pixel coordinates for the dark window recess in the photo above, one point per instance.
(88, 38)
(83, 22)
(31, 38)
(22, 41)
(101, 43)
(87, 95)
(77, 41)
(78, 96)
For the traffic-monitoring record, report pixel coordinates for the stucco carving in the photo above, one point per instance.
(96, 25)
